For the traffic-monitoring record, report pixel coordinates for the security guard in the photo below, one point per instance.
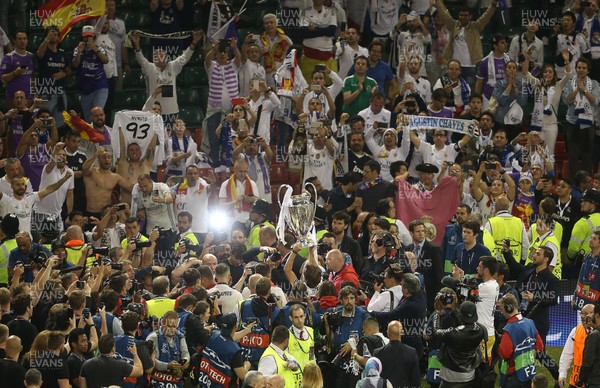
(158, 306)
(582, 231)
(261, 215)
(277, 361)
(506, 226)
(573, 349)
(9, 227)
(547, 238)
(301, 343)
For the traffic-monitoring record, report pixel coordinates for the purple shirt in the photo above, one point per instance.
(90, 74)
(483, 73)
(33, 161)
(444, 112)
(17, 126)
(21, 82)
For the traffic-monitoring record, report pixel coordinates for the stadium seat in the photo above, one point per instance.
(560, 150)
(193, 76)
(134, 81)
(279, 174)
(137, 20)
(192, 116)
(188, 96)
(565, 169)
(70, 41)
(131, 100)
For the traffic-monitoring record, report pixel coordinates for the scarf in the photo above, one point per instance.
(226, 141)
(465, 91)
(288, 78)
(172, 36)
(232, 194)
(175, 141)
(583, 108)
(367, 185)
(540, 106)
(264, 172)
(492, 67)
(276, 53)
(183, 186)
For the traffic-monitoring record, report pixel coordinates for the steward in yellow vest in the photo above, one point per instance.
(260, 214)
(302, 339)
(505, 226)
(544, 229)
(277, 361)
(582, 230)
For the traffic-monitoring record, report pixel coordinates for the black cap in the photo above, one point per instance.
(57, 244)
(263, 208)
(141, 273)
(428, 167)
(228, 323)
(468, 312)
(592, 196)
(10, 224)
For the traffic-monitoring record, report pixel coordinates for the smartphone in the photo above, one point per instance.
(155, 193)
(70, 312)
(80, 284)
(167, 91)
(121, 206)
(100, 305)
(320, 67)
(490, 166)
(383, 125)
(242, 123)
(238, 101)
(86, 313)
(315, 88)
(256, 84)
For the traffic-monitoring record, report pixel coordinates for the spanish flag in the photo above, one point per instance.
(66, 13)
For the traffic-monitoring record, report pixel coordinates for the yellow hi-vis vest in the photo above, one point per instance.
(292, 379)
(159, 306)
(557, 271)
(507, 227)
(5, 249)
(582, 233)
(302, 350)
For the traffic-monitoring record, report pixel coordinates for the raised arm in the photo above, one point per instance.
(43, 193)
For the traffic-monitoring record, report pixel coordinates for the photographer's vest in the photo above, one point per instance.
(159, 306)
(215, 364)
(109, 322)
(183, 317)
(167, 353)
(122, 347)
(523, 335)
(293, 379)
(578, 345)
(507, 227)
(74, 255)
(5, 248)
(302, 350)
(190, 236)
(582, 233)
(557, 271)
(255, 343)
(253, 236)
(140, 236)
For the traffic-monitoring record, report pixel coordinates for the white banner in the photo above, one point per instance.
(467, 127)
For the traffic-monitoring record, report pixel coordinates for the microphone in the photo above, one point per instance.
(449, 281)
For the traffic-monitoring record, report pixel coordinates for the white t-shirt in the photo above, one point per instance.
(194, 202)
(437, 157)
(319, 163)
(182, 164)
(269, 104)
(21, 208)
(384, 116)
(422, 86)
(229, 296)
(384, 19)
(111, 237)
(488, 292)
(138, 127)
(116, 33)
(3, 42)
(110, 68)
(461, 50)
(52, 203)
(157, 213)
(247, 71)
(322, 19)
(346, 55)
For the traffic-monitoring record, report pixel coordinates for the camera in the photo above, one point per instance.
(86, 313)
(189, 245)
(490, 166)
(148, 344)
(25, 266)
(253, 320)
(334, 318)
(224, 45)
(141, 244)
(39, 257)
(506, 241)
(275, 256)
(323, 248)
(136, 308)
(80, 284)
(102, 251)
(212, 297)
(46, 122)
(410, 104)
(136, 286)
(121, 207)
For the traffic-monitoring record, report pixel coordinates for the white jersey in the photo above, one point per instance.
(384, 116)
(488, 292)
(193, 200)
(319, 163)
(53, 203)
(111, 68)
(229, 296)
(21, 208)
(6, 188)
(346, 55)
(157, 213)
(138, 127)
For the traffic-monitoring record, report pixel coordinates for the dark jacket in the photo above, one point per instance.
(394, 354)
(460, 346)
(590, 369)
(431, 266)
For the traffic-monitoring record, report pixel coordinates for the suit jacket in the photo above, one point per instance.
(431, 266)
(352, 247)
(400, 364)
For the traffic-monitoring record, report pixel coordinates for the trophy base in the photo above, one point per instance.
(305, 242)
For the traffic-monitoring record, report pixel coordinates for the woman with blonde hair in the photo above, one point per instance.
(312, 376)
(39, 347)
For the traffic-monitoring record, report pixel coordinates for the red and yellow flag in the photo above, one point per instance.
(66, 13)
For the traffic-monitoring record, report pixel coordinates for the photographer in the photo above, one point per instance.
(161, 303)
(188, 242)
(146, 352)
(229, 297)
(390, 298)
(189, 323)
(343, 327)
(105, 320)
(172, 355)
(31, 255)
(375, 265)
(266, 310)
(138, 244)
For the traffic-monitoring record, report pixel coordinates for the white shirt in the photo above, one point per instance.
(269, 103)
(21, 208)
(422, 86)
(182, 164)
(52, 203)
(385, 158)
(461, 50)
(247, 71)
(322, 19)
(116, 33)
(241, 216)
(384, 116)
(6, 188)
(456, 91)
(157, 213)
(437, 157)
(319, 163)
(229, 297)
(195, 203)
(104, 41)
(346, 55)
(566, 357)
(254, 163)
(382, 301)
(268, 366)
(488, 292)
(113, 239)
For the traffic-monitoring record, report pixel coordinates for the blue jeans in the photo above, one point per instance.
(89, 101)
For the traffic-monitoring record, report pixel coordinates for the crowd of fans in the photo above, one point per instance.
(132, 255)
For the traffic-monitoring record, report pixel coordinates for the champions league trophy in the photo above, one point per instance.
(297, 213)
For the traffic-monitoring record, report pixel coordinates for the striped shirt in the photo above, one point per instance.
(223, 83)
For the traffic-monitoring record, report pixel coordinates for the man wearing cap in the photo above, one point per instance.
(427, 173)
(460, 354)
(222, 362)
(89, 60)
(9, 227)
(582, 231)
(261, 214)
(520, 341)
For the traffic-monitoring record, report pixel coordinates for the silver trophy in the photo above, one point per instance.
(297, 213)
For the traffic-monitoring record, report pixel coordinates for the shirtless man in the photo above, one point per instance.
(100, 182)
(131, 165)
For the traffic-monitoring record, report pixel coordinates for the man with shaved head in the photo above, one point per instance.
(13, 373)
(396, 353)
(276, 381)
(26, 249)
(341, 271)
(572, 353)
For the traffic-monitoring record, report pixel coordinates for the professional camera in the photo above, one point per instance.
(148, 344)
(39, 257)
(149, 323)
(141, 244)
(469, 290)
(161, 231)
(102, 251)
(334, 318)
(189, 245)
(323, 248)
(212, 297)
(275, 256)
(136, 308)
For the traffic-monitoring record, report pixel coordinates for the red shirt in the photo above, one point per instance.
(346, 274)
(507, 348)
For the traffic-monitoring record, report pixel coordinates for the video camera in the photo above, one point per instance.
(334, 318)
(190, 246)
(465, 291)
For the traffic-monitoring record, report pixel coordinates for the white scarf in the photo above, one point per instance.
(540, 106)
(583, 108)
(492, 67)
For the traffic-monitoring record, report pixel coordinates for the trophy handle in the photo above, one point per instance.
(315, 201)
(279, 192)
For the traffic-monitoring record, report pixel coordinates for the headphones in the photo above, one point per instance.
(386, 240)
(508, 307)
